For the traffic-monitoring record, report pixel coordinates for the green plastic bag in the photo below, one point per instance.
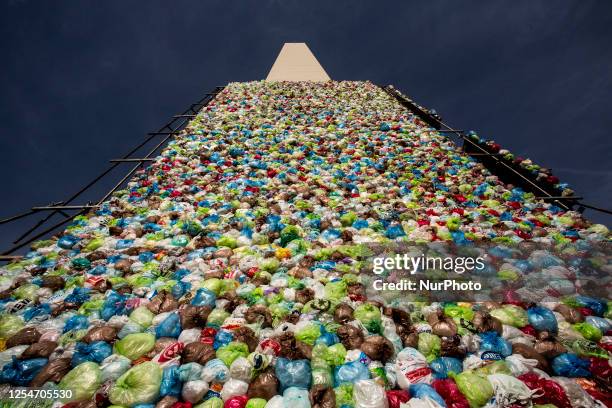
(93, 244)
(27, 291)
(497, 367)
(213, 284)
(336, 290)
(83, 380)
(9, 325)
(136, 345)
(344, 395)
(215, 402)
(476, 389)
(138, 385)
(255, 403)
(588, 331)
(232, 351)
(217, 317)
(336, 354)
(587, 348)
(459, 312)
(369, 316)
(142, 316)
(511, 315)
(308, 334)
(429, 345)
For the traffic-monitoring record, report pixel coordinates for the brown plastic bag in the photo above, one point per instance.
(197, 352)
(193, 316)
(530, 353)
(27, 335)
(102, 333)
(162, 302)
(377, 348)
(54, 371)
(451, 347)
(265, 385)
(166, 402)
(547, 346)
(41, 349)
(293, 349)
(259, 314)
(247, 336)
(570, 314)
(53, 282)
(322, 397)
(304, 296)
(350, 336)
(484, 322)
(343, 313)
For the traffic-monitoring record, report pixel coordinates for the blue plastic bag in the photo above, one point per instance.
(21, 372)
(542, 319)
(76, 322)
(171, 382)
(96, 351)
(597, 306)
(204, 297)
(222, 338)
(443, 365)
(351, 373)
(293, 373)
(423, 391)
(602, 324)
(114, 305)
(570, 365)
(491, 341)
(170, 327)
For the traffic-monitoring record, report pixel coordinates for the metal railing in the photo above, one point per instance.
(494, 162)
(170, 129)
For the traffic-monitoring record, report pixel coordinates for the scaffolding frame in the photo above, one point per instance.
(170, 129)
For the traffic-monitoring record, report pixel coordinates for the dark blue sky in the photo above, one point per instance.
(83, 81)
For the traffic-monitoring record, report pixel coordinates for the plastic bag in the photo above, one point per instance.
(449, 391)
(542, 319)
(114, 366)
(21, 372)
(142, 316)
(588, 331)
(96, 352)
(194, 391)
(233, 387)
(293, 373)
(476, 389)
(411, 368)
(442, 366)
(134, 346)
(9, 325)
(425, 391)
(83, 380)
(570, 365)
(265, 385)
(491, 341)
(429, 345)
(511, 315)
(170, 384)
(231, 352)
(351, 372)
(369, 316)
(509, 390)
(378, 348)
(169, 327)
(139, 385)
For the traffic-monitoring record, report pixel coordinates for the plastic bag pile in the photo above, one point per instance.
(226, 273)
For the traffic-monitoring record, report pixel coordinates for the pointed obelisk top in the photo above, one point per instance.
(297, 63)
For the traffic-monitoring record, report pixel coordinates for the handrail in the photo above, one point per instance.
(170, 129)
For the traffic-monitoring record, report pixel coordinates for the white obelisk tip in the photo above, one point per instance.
(297, 63)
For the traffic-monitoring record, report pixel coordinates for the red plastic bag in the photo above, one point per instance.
(549, 392)
(449, 391)
(397, 397)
